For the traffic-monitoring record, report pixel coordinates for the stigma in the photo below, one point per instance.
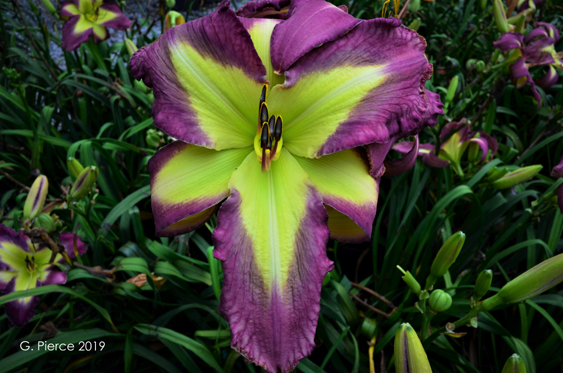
(268, 141)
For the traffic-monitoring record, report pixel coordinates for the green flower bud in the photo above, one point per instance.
(533, 282)
(170, 3)
(411, 281)
(49, 6)
(482, 284)
(152, 138)
(131, 47)
(409, 353)
(368, 328)
(500, 16)
(46, 222)
(452, 88)
(440, 301)
(36, 198)
(517, 177)
(445, 258)
(414, 25)
(514, 364)
(173, 19)
(84, 182)
(470, 64)
(483, 4)
(414, 6)
(480, 66)
(496, 173)
(74, 167)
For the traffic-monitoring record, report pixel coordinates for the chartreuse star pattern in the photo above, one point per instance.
(270, 107)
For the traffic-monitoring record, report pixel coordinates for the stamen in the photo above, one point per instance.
(264, 94)
(272, 124)
(278, 129)
(264, 137)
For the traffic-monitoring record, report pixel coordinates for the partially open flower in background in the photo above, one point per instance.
(453, 147)
(266, 104)
(25, 265)
(90, 18)
(535, 49)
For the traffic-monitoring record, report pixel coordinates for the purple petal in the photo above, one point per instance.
(396, 108)
(9, 259)
(404, 164)
(551, 30)
(21, 310)
(72, 40)
(223, 40)
(54, 277)
(121, 22)
(492, 143)
(509, 40)
(557, 171)
(549, 79)
(310, 23)
(344, 229)
(535, 54)
(67, 240)
(483, 144)
(453, 127)
(277, 9)
(537, 32)
(433, 160)
(521, 77)
(376, 154)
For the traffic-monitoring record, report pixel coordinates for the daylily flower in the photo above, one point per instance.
(525, 4)
(556, 173)
(90, 18)
(536, 49)
(25, 265)
(453, 148)
(266, 104)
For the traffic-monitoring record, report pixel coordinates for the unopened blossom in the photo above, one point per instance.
(270, 106)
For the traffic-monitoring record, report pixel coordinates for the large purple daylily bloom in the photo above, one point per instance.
(24, 266)
(269, 106)
(90, 18)
(456, 138)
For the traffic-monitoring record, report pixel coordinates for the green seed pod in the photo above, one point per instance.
(131, 47)
(410, 281)
(500, 16)
(170, 3)
(84, 182)
(470, 64)
(36, 198)
(483, 4)
(514, 364)
(415, 25)
(409, 353)
(440, 301)
(480, 66)
(368, 328)
(533, 282)
(452, 88)
(49, 6)
(414, 6)
(445, 258)
(517, 177)
(46, 222)
(74, 167)
(482, 284)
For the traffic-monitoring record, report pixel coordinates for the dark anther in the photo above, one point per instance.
(265, 136)
(263, 94)
(263, 112)
(278, 131)
(272, 124)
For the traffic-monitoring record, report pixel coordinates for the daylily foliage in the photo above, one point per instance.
(269, 106)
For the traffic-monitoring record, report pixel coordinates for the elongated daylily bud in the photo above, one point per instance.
(131, 47)
(517, 177)
(36, 198)
(409, 354)
(49, 6)
(482, 284)
(411, 281)
(445, 258)
(533, 282)
(74, 167)
(514, 364)
(500, 16)
(84, 182)
(440, 301)
(480, 66)
(415, 25)
(46, 222)
(496, 173)
(368, 328)
(452, 88)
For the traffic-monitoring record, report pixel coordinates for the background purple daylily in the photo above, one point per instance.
(25, 265)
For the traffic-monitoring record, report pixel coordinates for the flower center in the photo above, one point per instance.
(93, 15)
(30, 264)
(268, 141)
